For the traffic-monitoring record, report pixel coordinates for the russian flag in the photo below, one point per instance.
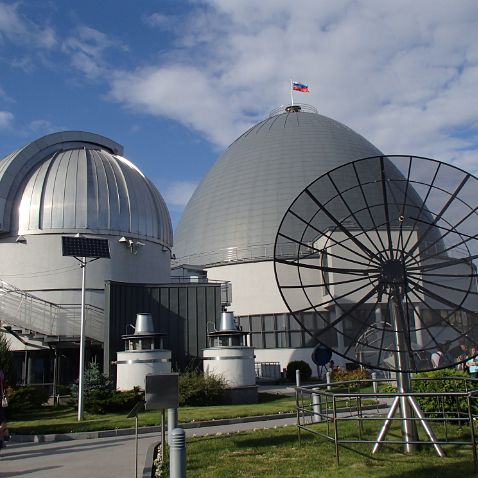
(300, 87)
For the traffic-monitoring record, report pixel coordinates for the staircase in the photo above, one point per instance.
(38, 319)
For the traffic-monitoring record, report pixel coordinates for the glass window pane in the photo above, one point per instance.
(270, 340)
(282, 341)
(256, 323)
(293, 324)
(296, 339)
(244, 323)
(282, 322)
(257, 341)
(269, 323)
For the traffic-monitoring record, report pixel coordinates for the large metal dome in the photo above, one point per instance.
(72, 181)
(235, 212)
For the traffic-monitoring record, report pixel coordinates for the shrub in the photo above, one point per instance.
(450, 405)
(96, 385)
(26, 399)
(117, 402)
(304, 370)
(196, 388)
(340, 375)
(6, 360)
(63, 389)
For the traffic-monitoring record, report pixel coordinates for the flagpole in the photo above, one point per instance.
(291, 94)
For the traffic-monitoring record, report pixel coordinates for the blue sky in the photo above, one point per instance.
(176, 81)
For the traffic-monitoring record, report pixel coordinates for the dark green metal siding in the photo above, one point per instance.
(181, 311)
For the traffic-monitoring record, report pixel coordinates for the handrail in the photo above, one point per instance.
(317, 404)
(27, 311)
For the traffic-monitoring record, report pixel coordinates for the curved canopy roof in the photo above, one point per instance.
(76, 181)
(235, 212)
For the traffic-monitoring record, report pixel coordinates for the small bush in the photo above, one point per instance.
(6, 360)
(304, 370)
(63, 389)
(450, 405)
(196, 388)
(25, 399)
(116, 402)
(96, 385)
(100, 396)
(340, 375)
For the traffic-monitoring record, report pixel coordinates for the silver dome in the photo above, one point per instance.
(80, 182)
(235, 212)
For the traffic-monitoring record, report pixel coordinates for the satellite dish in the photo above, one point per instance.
(381, 253)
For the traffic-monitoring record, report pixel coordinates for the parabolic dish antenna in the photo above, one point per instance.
(381, 251)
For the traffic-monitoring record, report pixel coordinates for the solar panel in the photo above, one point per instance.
(85, 247)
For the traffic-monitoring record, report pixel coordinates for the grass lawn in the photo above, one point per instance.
(277, 453)
(63, 419)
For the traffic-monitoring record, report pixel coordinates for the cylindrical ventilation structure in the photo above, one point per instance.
(143, 354)
(230, 358)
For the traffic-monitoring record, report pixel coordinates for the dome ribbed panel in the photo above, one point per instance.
(236, 210)
(93, 190)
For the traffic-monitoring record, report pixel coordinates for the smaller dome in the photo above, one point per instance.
(81, 185)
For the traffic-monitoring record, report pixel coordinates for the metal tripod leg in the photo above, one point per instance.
(386, 425)
(418, 411)
(426, 427)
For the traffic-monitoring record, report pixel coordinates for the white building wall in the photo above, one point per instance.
(38, 267)
(254, 288)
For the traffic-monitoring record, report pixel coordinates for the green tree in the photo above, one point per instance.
(96, 384)
(6, 360)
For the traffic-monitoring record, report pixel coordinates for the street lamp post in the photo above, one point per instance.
(82, 248)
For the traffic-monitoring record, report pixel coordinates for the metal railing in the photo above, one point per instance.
(26, 311)
(267, 371)
(345, 414)
(303, 108)
(263, 252)
(252, 253)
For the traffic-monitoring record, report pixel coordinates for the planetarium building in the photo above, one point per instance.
(231, 221)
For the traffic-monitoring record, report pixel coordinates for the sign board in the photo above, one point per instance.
(161, 391)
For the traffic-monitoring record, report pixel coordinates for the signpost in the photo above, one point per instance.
(161, 393)
(139, 407)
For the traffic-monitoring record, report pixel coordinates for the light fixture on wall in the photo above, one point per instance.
(133, 246)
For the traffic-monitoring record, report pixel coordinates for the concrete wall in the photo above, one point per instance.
(254, 289)
(38, 267)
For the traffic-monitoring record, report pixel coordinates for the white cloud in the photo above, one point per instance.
(19, 29)
(41, 127)
(160, 20)
(6, 119)
(178, 193)
(403, 74)
(87, 49)
(183, 93)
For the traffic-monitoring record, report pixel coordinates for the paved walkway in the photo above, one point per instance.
(97, 458)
